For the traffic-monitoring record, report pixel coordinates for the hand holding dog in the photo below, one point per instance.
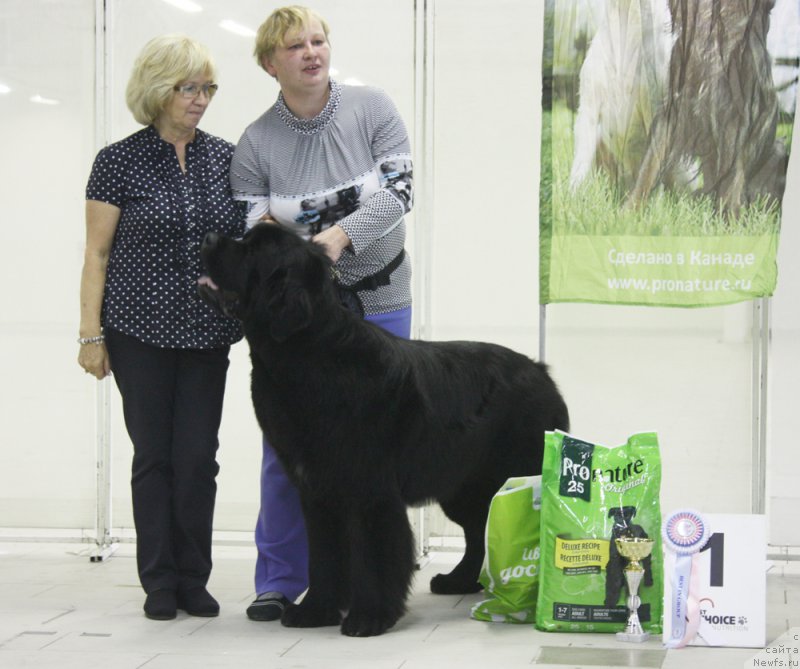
(334, 240)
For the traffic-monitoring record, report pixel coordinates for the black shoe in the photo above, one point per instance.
(160, 605)
(267, 606)
(197, 602)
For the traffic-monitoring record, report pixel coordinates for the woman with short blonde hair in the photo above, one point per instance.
(164, 62)
(282, 22)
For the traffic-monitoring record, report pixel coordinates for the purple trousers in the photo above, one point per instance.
(282, 561)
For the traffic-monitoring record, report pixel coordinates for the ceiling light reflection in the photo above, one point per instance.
(38, 99)
(237, 28)
(185, 5)
(4, 88)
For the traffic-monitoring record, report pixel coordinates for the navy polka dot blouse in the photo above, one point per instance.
(151, 283)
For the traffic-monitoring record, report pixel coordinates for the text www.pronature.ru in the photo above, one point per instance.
(680, 285)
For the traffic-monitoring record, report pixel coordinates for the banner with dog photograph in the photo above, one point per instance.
(666, 132)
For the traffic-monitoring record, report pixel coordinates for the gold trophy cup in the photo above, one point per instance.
(633, 550)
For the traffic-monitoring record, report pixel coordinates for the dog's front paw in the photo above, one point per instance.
(447, 584)
(307, 615)
(356, 624)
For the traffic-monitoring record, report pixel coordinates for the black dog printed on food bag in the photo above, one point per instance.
(615, 577)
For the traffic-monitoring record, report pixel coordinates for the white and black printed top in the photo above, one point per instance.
(151, 281)
(350, 166)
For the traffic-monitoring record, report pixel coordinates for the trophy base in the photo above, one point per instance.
(633, 637)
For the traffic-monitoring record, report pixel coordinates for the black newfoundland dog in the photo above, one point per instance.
(367, 423)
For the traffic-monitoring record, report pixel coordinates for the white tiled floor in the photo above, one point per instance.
(58, 609)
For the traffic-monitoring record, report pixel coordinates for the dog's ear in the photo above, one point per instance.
(284, 285)
(290, 309)
(279, 301)
(621, 514)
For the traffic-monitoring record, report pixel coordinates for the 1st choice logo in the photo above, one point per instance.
(720, 620)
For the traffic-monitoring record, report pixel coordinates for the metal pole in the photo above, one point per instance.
(423, 205)
(424, 11)
(760, 366)
(104, 547)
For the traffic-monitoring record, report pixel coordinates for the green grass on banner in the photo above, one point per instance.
(596, 209)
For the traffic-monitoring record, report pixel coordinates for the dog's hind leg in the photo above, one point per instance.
(469, 509)
(381, 566)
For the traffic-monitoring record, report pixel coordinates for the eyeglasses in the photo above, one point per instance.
(191, 91)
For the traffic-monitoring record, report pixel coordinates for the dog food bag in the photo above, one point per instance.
(510, 574)
(592, 494)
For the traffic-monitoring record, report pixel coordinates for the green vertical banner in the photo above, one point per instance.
(666, 133)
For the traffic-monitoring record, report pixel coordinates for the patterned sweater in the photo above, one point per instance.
(350, 166)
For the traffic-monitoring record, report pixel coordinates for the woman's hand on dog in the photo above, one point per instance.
(334, 240)
(94, 360)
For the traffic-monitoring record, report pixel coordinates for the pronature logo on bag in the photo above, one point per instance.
(576, 469)
(591, 495)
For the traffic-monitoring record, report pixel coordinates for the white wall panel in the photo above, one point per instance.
(46, 406)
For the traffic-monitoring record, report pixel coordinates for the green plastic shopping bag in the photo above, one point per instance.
(510, 574)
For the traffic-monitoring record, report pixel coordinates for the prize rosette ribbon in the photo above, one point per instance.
(685, 533)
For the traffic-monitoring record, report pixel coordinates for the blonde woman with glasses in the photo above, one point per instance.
(150, 200)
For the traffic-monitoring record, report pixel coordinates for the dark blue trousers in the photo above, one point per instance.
(172, 405)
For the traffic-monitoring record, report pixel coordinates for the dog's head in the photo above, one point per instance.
(271, 279)
(623, 517)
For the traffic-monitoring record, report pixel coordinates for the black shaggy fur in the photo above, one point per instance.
(367, 423)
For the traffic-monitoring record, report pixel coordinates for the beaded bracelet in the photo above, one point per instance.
(99, 339)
